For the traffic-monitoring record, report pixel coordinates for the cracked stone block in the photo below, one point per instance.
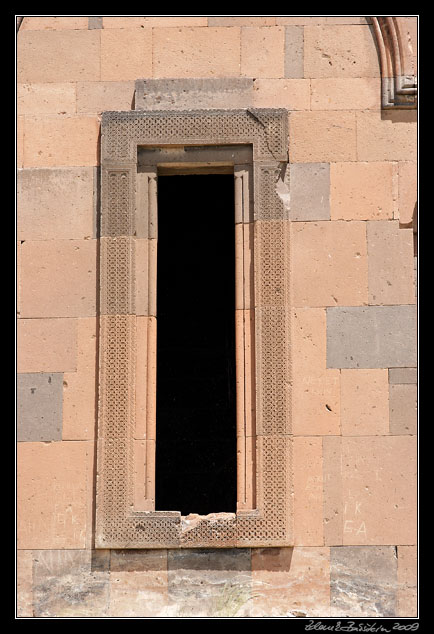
(371, 336)
(39, 400)
(363, 581)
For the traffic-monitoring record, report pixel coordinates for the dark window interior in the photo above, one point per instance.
(196, 401)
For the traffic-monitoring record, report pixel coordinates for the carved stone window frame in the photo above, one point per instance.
(125, 515)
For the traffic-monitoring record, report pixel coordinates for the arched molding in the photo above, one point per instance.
(398, 75)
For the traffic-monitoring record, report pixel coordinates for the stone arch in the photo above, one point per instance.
(398, 72)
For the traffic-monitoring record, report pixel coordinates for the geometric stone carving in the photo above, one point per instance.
(126, 417)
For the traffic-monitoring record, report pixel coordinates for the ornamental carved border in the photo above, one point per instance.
(128, 317)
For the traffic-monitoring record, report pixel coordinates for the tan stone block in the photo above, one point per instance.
(293, 94)
(332, 478)
(322, 137)
(46, 345)
(329, 263)
(46, 99)
(241, 20)
(126, 54)
(244, 273)
(407, 193)
(315, 391)
(291, 581)
(128, 22)
(406, 597)
(55, 141)
(58, 56)
(364, 402)
(58, 278)
(403, 409)
(361, 191)
(54, 23)
(379, 490)
(345, 93)
(263, 51)
(144, 475)
(145, 275)
(55, 203)
(79, 387)
(391, 265)
(24, 595)
(314, 20)
(308, 491)
(20, 141)
(196, 52)
(146, 378)
(95, 97)
(340, 51)
(54, 481)
(387, 137)
(18, 278)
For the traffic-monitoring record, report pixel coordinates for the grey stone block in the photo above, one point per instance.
(191, 94)
(402, 375)
(39, 407)
(403, 409)
(363, 581)
(310, 191)
(371, 337)
(294, 52)
(95, 22)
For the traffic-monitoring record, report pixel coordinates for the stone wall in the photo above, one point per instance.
(352, 180)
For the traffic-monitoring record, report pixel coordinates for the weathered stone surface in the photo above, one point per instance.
(55, 204)
(48, 141)
(292, 94)
(322, 137)
(20, 141)
(403, 409)
(371, 337)
(294, 52)
(58, 56)
(54, 23)
(308, 491)
(54, 484)
(407, 581)
(314, 20)
(79, 387)
(125, 54)
(95, 22)
(379, 490)
(290, 582)
(407, 192)
(340, 51)
(392, 137)
(46, 98)
(345, 93)
(402, 375)
(310, 191)
(205, 582)
(364, 402)
(129, 22)
(97, 96)
(24, 594)
(39, 411)
(329, 264)
(361, 191)
(190, 52)
(71, 583)
(184, 94)
(58, 278)
(138, 583)
(241, 20)
(262, 51)
(363, 581)
(391, 265)
(333, 510)
(46, 345)
(316, 390)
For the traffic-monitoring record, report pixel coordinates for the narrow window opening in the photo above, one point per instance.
(196, 464)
